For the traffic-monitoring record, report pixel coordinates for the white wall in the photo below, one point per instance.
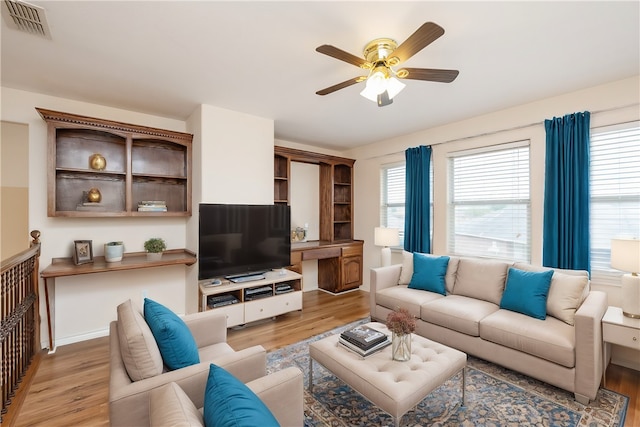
(616, 102)
(304, 198)
(14, 195)
(232, 163)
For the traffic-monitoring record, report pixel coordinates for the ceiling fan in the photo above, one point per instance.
(380, 58)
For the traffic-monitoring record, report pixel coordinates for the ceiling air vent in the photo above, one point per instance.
(26, 17)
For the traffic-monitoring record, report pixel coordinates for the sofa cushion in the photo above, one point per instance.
(568, 290)
(169, 405)
(176, 344)
(549, 339)
(566, 294)
(402, 296)
(138, 347)
(406, 272)
(229, 403)
(429, 272)
(481, 279)
(526, 292)
(459, 313)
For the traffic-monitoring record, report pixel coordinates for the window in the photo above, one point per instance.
(489, 206)
(615, 193)
(392, 197)
(392, 186)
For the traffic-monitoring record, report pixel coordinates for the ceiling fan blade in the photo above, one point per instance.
(421, 38)
(340, 54)
(339, 86)
(383, 99)
(431, 74)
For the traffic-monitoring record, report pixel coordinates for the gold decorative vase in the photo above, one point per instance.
(97, 162)
(401, 347)
(94, 196)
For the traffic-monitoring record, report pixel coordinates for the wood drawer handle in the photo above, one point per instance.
(635, 338)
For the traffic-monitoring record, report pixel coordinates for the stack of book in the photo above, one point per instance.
(152, 206)
(364, 340)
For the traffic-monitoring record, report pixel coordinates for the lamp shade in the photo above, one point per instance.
(386, 236)
(625, 255)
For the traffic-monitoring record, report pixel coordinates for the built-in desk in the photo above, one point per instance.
(339, 263)
(61, 267)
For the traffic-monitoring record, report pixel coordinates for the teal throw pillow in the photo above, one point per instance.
(429, 272)
(526, 292)
(177, 346)
(230, 403)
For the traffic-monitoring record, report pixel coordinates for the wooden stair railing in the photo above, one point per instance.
(20, 327)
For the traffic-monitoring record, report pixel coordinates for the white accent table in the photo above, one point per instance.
(620, 330)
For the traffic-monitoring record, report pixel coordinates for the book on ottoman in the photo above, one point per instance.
(363, 337)
(364, 353)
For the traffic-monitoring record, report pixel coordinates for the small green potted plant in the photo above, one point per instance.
(154, 247)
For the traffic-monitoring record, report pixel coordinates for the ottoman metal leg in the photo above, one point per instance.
(310, 374)
(464, 386)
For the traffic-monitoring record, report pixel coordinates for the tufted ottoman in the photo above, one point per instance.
(395, 387)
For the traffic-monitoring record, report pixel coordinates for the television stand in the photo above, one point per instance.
(278, 292)
(246, 277)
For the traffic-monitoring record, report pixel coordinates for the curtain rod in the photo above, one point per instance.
(606, 110)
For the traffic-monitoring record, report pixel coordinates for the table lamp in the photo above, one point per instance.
(625, 256)
(386, 237)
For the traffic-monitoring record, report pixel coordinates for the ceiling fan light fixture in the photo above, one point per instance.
(378, 80)
(391, 87)
(394, 87)
(369, 93)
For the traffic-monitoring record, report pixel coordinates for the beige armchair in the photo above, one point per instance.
(130, 339)
(282, 392)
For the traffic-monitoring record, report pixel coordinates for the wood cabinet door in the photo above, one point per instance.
(351, 272)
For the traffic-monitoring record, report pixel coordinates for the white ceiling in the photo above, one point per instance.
(167, 57)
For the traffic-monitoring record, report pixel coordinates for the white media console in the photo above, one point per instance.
(243, 302)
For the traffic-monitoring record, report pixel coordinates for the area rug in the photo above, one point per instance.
(495, 396)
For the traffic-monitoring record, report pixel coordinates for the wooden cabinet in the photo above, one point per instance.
(100, 168)
(281, 172)
(339, 264)
(278, 293)
(336, 189)
(339, 256)
(336, 194)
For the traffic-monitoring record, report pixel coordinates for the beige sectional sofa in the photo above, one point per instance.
(564, 349)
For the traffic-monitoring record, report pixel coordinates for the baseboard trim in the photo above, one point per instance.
(76, 338)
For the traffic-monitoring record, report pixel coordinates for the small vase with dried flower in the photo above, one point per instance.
(401, 324)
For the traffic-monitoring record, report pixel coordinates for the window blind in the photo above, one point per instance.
(392, 195)
(489, 205)
(614, 193)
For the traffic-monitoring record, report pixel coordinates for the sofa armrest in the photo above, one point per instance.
(129, 405)
(247, 364)
(382, 277)
(282, 392)
(207, 327)
(588, 330)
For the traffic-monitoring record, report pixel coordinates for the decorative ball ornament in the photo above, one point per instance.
(97, 162)
(94, 195)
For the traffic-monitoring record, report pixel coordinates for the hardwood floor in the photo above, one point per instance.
(70, 387)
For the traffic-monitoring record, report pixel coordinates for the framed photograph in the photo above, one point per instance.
(82, 252)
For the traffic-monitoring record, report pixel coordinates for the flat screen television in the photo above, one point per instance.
(243, 240)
